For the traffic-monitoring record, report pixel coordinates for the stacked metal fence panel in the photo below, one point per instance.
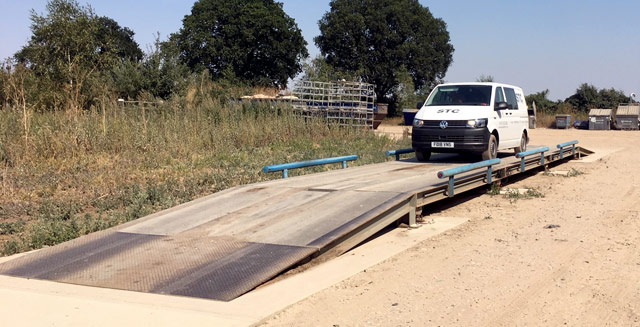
(600, 119)
(627, 116)
(342, 103)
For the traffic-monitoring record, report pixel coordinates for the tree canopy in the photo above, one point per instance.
(542, 102)
(70, 46)
(381, 39)
(588, 97)
(114, 39)
(254, 41)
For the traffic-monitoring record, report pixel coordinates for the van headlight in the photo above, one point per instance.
(477, 123)
(418, 122)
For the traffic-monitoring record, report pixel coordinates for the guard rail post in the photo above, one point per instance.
(561, 146)
(463, 169)
(398, 152)
(522, 155)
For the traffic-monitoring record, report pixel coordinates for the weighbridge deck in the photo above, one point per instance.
(226, 244)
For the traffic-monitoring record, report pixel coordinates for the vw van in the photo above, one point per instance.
(481, 118)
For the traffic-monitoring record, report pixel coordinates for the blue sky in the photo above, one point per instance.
(541, 44)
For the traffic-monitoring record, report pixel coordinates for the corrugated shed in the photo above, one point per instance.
(600, 112)
(633, 110)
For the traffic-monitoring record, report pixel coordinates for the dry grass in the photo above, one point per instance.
(394, 121)
(548, 120)
(73, 175)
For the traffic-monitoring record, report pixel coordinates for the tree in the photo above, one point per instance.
(542, 102)
(68, 49)
(111, 38)
(160, 74)
(588, 96)
(254, 41)
(379, 39)
(610, 98)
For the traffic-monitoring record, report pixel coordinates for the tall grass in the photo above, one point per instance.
(547, 119)
(69, 175)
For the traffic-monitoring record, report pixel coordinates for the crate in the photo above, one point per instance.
(563, 121)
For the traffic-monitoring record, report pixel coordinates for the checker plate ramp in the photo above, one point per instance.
(226, 244)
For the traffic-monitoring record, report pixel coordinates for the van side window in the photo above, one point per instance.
(511, 98)
(499, 95)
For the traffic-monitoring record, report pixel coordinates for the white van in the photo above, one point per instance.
(481, 118)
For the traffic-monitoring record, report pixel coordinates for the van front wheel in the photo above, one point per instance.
(492, 148)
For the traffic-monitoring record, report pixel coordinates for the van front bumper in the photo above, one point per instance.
(463, 139)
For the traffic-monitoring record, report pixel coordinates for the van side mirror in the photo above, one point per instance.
(419, 105)
(501, 106)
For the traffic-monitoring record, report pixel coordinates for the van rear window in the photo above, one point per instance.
(456, 95)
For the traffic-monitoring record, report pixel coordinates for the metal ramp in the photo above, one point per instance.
(226, 244)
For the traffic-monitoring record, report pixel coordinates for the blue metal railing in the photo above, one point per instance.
(301, 164)
(463, 169)
(522, 155)
(561, 146)
(398, 152)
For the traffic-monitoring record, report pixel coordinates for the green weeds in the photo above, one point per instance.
(78, 174)
(514, 194)
(494, 189)
(574, 172)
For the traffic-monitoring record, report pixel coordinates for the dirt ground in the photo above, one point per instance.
(569, 257)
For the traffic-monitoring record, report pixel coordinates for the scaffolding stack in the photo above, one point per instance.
(341, 103)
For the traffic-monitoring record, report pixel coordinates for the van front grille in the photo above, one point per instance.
(451, 123)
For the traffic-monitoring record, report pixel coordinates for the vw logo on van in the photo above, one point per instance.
(444, 124)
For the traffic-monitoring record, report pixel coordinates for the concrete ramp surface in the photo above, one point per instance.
(226, 244)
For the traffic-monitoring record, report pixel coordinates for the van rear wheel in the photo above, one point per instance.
(492, 149)
(423, 155)
(523, 144)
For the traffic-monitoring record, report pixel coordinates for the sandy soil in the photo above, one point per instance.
(503, 267)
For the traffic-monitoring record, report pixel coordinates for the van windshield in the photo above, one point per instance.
(460, 95)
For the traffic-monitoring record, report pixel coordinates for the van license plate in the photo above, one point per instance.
(442, 144)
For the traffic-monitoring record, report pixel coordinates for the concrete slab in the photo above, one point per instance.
(29, 302)
(598, 154)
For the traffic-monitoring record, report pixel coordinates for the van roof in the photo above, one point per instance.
(481, 83)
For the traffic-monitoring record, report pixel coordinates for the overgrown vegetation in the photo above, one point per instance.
(69, 175)
(577, 105)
